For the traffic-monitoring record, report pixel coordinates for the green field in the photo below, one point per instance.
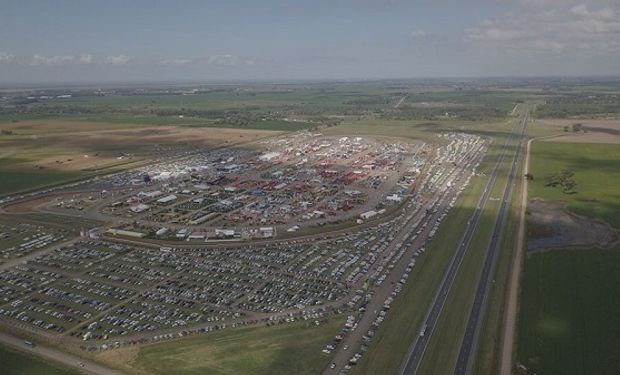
(569, 310)
(284, 349)
(13, 362)
(18, 180)
(596, 170)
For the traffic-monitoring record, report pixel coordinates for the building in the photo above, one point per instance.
(269, 156)
(139, 208)
(267, 231)
(394, 198)
(167, 199)
(152, 194)
(224, 233)
(368, 214)
(126, 233)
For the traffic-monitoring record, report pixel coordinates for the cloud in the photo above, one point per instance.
(117, 60)
(6, 57)
(85, 58)
(229, 60)
(38, 60)
(552, 28)
(582, 10)
(176, 61)
(495, 34)
(418, 34)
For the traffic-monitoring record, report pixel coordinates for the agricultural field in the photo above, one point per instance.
(280, 349)
(595, 173)
(583, 131)
(568, 310)
(13, 362)
(585, 104)
(569, 315)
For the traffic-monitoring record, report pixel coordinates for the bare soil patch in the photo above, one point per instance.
(552, 226)
(595, 131)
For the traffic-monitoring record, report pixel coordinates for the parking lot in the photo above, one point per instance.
(101, 292)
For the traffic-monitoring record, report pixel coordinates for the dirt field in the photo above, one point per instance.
(596, 131)
(65, 150)
(551, 226)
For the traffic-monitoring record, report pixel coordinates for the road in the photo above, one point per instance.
(510, 319)
(468, 345)
(401, 101)
(88, 367)
(420, 344)
(403, 234)
(353, 340)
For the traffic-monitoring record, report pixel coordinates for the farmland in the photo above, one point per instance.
(567, 304)
(596, 173)
(13, 362)
(569, 314)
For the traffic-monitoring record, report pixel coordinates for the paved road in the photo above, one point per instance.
(468, 345)
(88, 367)
(401, 101)
(419, 346)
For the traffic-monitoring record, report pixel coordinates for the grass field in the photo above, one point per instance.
(597, 174)
(284, 349)
(421, 130)
(16, 180)
(13, 362)
(570, 312)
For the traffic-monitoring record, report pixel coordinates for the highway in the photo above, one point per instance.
(354, 340)
(469, 343)
(420, 344)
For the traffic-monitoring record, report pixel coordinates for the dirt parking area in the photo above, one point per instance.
(551, 226)
(595, 131)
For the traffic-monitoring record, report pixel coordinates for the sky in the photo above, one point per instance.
(139, 40)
